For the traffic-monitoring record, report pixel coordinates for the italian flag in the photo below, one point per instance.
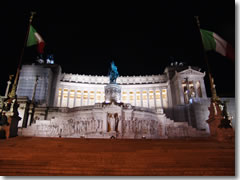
(211, 41)
(35, 39)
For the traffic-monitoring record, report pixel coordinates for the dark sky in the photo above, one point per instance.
(141, 38)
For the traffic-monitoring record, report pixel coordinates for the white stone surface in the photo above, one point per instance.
(149, 79)
(112, 93)
(118, 120)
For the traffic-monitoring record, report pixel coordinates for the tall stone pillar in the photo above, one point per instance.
(181, 92)
(7, 89)
(141, 98)
(88, 98)
(161, 97)
(128, 97)
(148, 98)
(154, 97)
(61, 98)
(195, 88)
(82, 97)
(75, 97)
(169, 95)
(95, 97)
(135, 99)
(68, 97)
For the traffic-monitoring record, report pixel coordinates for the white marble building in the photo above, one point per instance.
(171, 104)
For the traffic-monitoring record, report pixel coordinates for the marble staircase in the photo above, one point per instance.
(38, 156)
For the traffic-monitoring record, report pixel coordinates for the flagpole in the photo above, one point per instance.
(211, 80)
(12, 94)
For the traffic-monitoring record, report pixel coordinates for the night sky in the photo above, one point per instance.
(141, 38)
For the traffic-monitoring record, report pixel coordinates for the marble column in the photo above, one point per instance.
(75, 97)
(195, 88)
(141, 98)
(181, 93)
(8, 85)
(68, 96)
(128, 96)
(135, 98)
(94, 97)
(148, 98)
(169, 96)
(82, 97)
(161, 97)
(102, 96)
(154, 97)
(88, 98)
(61, 97)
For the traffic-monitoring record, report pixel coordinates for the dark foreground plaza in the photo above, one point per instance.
(35, 156)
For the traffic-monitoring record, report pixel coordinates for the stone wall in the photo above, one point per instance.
(48, 76)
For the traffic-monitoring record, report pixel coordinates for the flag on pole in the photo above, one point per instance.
(212, 41)
(35, 39)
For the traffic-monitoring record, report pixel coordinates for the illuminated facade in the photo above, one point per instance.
(170, 101)
(73, 90)
(82, 90)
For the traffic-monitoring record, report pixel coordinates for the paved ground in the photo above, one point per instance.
(69, 156)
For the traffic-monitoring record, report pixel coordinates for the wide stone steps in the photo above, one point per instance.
(72, 156)
(182, 129)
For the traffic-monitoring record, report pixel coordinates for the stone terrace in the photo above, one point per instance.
(101, 157)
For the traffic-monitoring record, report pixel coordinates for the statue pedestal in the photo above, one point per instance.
(112, 93)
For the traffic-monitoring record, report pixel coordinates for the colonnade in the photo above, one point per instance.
(142, 97)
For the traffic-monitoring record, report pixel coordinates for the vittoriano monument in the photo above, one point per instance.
(113, 90)
(150, 106)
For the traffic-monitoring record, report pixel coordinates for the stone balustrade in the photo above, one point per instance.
(89, 79)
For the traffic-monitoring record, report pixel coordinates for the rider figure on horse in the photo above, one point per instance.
(113, 74)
